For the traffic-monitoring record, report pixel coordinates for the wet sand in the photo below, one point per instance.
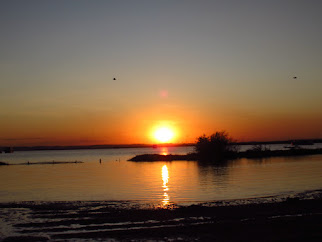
(296, 218)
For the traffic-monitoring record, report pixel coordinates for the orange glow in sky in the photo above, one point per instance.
(176, 77)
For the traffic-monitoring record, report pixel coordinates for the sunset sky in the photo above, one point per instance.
(195, 67)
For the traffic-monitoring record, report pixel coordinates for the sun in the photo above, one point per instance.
(163, 134)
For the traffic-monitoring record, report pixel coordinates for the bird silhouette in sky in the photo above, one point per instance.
(114, 79)
(294, 77)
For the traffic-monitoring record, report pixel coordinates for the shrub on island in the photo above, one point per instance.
(216, 147)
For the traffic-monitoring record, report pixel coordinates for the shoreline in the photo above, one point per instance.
(297, 217)
(156, 204)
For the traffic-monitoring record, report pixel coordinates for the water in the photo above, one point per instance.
(115, 178)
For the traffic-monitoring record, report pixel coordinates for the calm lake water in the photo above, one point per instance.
(115, 178)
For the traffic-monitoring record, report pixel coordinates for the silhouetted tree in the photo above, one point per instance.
(217, 146)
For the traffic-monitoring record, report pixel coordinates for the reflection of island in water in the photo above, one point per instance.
(165, 179)
(215, 174)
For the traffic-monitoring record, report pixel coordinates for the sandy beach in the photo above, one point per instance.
(288, 218)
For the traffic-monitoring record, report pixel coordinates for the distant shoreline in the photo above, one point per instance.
(123, 146)
(97, 147)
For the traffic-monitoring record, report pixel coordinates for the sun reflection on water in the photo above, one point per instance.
(165, 179)
(164, 151)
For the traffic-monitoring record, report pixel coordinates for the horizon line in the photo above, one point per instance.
(142, 145)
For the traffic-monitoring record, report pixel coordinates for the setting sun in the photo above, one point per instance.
(163, 134)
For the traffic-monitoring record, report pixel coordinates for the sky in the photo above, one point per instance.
(196, 67)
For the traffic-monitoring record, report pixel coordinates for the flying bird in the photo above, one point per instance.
(294, 77)
(114, 79)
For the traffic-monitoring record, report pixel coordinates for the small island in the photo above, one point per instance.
(221, 147)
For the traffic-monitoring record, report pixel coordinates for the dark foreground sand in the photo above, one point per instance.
(296, 218)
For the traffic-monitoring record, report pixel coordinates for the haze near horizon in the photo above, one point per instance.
(186, 68)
